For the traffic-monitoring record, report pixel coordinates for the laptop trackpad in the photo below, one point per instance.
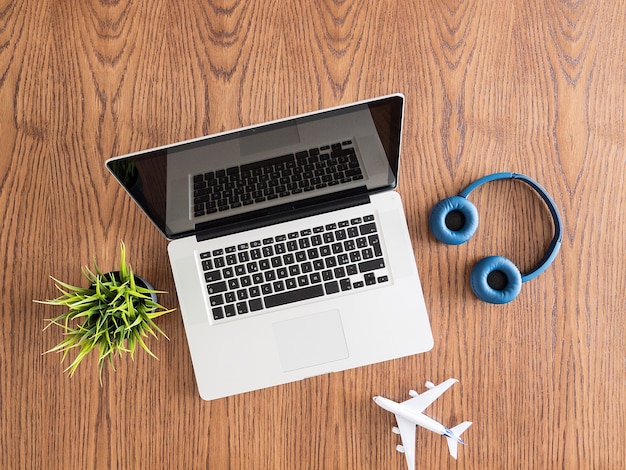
(311, 340)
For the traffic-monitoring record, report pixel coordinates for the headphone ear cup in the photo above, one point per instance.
(505, 272)
(467, 220)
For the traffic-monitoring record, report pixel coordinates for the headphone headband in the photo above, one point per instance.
(555, 244)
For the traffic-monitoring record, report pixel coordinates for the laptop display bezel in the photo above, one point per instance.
(119, 168)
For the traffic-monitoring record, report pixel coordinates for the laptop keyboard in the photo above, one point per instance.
(294, 173)
(292, 267)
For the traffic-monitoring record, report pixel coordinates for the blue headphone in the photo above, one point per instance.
(494, 279)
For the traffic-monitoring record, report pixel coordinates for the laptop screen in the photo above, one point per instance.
(202, 184)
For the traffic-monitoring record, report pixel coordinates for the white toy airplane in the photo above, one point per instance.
(409, 414)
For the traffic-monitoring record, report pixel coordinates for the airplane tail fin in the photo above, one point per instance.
(453, 436)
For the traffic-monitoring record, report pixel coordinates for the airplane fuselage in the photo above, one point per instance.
(418, 419)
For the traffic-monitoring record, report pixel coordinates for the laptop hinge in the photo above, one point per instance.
(285, 214)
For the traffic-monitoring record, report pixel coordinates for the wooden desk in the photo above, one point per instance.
(531, 86)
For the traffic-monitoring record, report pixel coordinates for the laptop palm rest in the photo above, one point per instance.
(310, 340)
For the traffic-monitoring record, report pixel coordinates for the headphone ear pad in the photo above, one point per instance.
(439, 213)
(479, 280)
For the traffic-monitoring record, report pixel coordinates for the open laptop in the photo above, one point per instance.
(289, 246)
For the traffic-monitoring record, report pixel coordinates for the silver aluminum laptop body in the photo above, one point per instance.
(289, 247)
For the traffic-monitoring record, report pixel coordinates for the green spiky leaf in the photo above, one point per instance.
(110, 316)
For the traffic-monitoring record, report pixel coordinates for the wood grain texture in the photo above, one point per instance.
(537, 87)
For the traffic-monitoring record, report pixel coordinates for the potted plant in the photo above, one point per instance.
(112, 315)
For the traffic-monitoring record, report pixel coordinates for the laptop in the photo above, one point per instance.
(289, 247)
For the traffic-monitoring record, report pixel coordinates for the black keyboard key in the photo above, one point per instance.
(212, 276)
(216, 300)
(230, 310)
(371, 265)
(255, 291)
(367, 228)
(294, 296)
(218, 313)
(255, 305)
(353, 232)
(331, 287)
(217, 287)
(302, 154)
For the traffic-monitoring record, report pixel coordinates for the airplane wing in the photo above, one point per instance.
(407, 434)
(424, 400)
